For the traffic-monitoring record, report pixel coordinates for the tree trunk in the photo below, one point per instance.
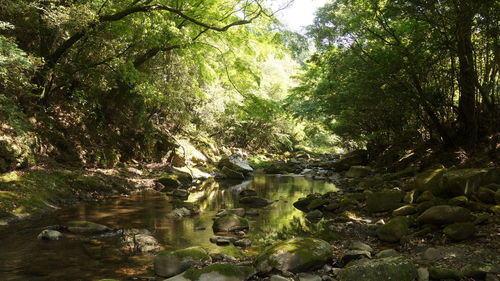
(466, 80)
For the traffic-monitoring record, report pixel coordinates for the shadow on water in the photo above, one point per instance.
(23, 257)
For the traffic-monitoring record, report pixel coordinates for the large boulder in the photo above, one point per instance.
(445, 214)
(139, 241)
(230, 223)
(170, 263)
(430, 179)
(386, 200)
(450, 183)
(175, 180)
(390, 268)
(394, 230)
(463, 181)
(232, 174)
(236, 163)
(358, 172)
(295, 255)
(460, 231)
(357, 157)
(86, 227)
(50, 235)
(216, 272)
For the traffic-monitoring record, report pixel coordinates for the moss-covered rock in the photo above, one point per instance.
(425, 196)
(303, 203)
(386, 200)
(445, 214)
(405, 210)
(353, 158)
(170, 263)
(459, 201)
(295, 255)
(229, 223)
(463, 181)
(216, 272)
(460, 231)
(486, 195)
(394, 230)
(317, 203)
(358, 172)
(390, 268)
(175, 180)
(430, 179)
(438, 273)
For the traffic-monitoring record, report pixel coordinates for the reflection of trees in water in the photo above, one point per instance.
(299, 227)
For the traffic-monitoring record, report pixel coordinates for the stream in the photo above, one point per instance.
(24, 257)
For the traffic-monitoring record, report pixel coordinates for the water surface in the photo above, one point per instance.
(23, 257)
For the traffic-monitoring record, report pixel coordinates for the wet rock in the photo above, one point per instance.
(175, 180)
(243, 243)
(460, 231)
(391, 268)
(255, 201)
(232, 174)
(235, 162)
(230, 223)
(216, 272)
(50, 235)
(358, 172)
(315, 215)
(238, 211)
(303, 203)
(394, 230)
(179, 213)
(141, 243)
(387, 200)
(86, 227)
(295, 255)
(248, 192)
(223, 240)
(445, 214)
(438, 273)
(167, 264)
(405, 210)
(181, 194)
(317, 203)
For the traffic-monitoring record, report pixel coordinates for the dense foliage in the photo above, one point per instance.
(108, 81)
(404, 72)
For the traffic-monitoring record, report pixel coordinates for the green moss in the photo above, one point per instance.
(224, 269)
(36, 190)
